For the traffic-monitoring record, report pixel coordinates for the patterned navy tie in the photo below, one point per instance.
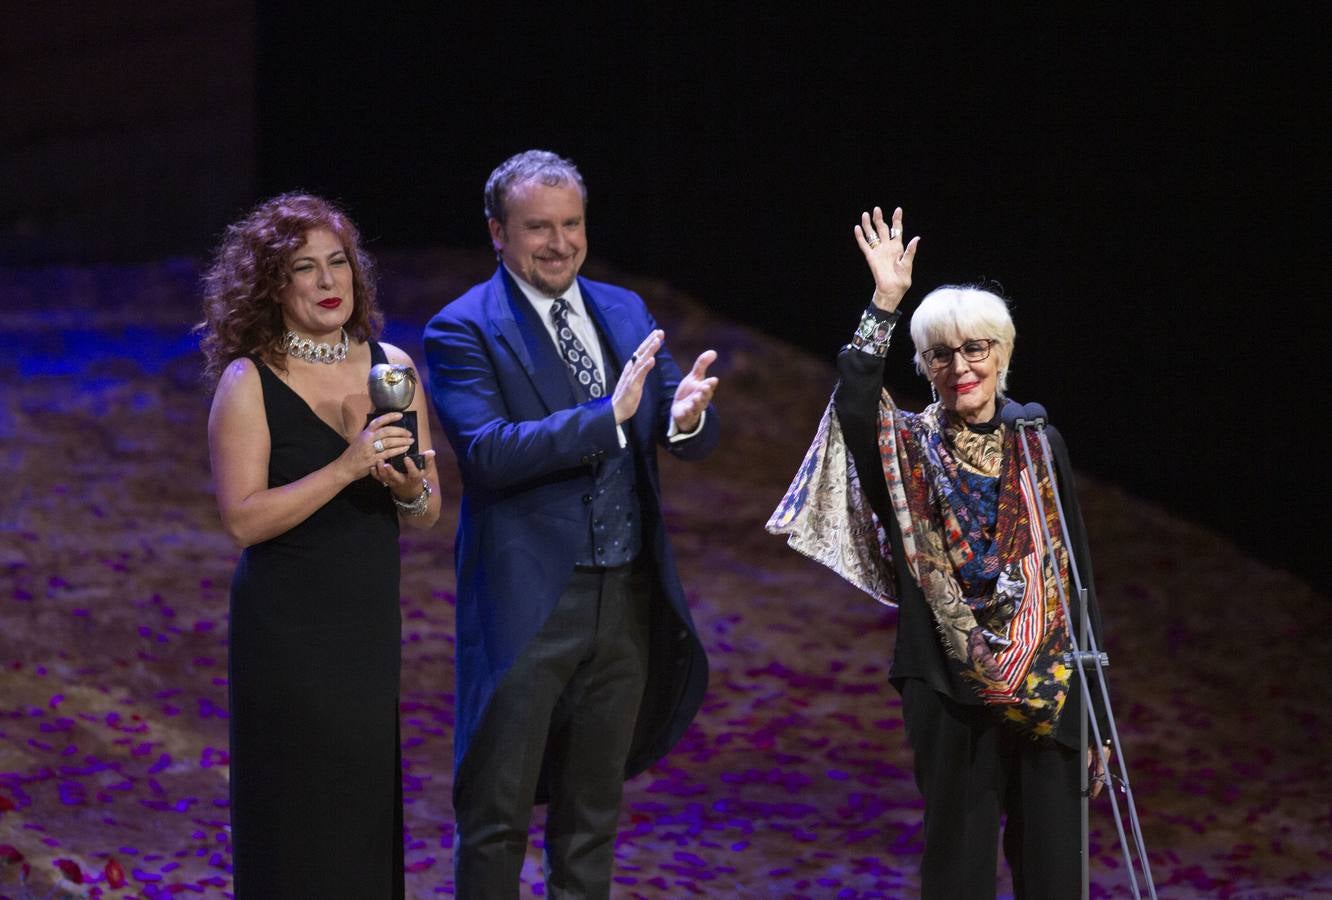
(575, 355)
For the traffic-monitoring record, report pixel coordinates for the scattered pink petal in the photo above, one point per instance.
(70, 869)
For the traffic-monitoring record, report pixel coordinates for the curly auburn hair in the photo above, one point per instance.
(240, 289)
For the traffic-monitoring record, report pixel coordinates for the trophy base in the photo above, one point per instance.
(407, 421)
(399, 462)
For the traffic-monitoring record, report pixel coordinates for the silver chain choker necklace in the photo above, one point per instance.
(293, 344)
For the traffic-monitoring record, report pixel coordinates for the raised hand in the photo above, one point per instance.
(629, 388)
(889, 261)
(694, 393)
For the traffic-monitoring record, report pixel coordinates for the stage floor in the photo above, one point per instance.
(794, 781)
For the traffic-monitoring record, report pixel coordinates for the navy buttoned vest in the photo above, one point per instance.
(615, 532)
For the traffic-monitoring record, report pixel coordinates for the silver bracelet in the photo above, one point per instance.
(417, 507)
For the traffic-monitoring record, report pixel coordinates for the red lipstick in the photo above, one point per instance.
(331, 302)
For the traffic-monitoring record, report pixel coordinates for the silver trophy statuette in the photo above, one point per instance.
(392, 389)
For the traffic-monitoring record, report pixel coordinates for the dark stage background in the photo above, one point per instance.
(1148, 186)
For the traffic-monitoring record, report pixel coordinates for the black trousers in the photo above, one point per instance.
(570, 702)
(971, 769)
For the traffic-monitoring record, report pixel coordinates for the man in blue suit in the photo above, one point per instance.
(578, 663)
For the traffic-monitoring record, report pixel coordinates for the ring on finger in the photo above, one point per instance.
(893, 234)
(378, 445)
(873, 241)
(633, 358)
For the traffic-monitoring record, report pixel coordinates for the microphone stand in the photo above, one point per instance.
(1085, 654)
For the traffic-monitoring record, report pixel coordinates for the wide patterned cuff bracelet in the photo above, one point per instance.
(874, 330)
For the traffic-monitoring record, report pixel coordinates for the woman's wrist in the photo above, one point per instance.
(346, 470)
(886, 302)
(416, 505)
(874, 331)
(410, 491)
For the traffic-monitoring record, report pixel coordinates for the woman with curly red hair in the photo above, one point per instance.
(307, 488)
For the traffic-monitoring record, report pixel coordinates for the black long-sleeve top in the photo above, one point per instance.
(919, 652)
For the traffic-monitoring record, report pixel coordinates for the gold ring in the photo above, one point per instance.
(874, 242)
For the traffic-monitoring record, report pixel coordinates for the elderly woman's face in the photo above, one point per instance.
(966, 376)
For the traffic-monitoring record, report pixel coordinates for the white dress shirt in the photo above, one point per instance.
(581, 324)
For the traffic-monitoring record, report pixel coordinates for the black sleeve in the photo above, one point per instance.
(856, 400)
(917, 651)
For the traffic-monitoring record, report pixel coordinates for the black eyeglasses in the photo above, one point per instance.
(941, 357)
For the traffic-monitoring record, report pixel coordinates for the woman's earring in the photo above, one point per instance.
(934, 393)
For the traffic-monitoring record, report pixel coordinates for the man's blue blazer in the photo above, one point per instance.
(527, 452)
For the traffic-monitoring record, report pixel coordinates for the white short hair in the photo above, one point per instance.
(952, 314)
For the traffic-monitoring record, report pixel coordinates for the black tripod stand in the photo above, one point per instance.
(1086, 656)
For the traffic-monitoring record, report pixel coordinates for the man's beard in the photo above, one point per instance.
(551, 289)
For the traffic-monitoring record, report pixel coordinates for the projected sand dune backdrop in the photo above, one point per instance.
(795, 780)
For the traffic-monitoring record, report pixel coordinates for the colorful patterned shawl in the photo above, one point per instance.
(978, 563)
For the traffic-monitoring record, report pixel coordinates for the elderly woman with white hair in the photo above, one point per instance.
(934, 512)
